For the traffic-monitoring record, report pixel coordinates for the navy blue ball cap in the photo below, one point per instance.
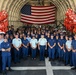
(70, 36)
(51, 35)
(57, 35)
(61, 35)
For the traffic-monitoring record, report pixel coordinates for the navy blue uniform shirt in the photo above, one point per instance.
(25, 42)
(74, 44)
(61, 42)
(51, 42)
(5, 45)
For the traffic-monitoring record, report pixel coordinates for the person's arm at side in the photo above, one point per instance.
(20, 44)
(54, 45)
(59, 45)
(39, 44)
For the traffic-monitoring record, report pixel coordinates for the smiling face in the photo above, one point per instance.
(70, 38)
(16, 36)
(57, 37)
(1, 36)
(61, 37)
(52, 36)
(42, 36)
(5, 40)
(66, 37)
(7, 35)
(24, 37)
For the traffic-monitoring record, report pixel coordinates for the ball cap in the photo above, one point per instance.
(51, 35)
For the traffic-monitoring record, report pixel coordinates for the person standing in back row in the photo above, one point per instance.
(42, 46)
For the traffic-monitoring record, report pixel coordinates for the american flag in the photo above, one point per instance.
(38, 14)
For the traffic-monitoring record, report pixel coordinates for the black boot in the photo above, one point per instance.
(4, 72)
(74, 68)
(49, 59)
(9, 69)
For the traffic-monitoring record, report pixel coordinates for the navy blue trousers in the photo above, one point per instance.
(16, 56)
(51, 53)
(56, 52)
(0, 60)
(25, 52)
(74, 58)
(42, 52)
(6, 61)
(61, 53)
(33, 53)
(68, 58)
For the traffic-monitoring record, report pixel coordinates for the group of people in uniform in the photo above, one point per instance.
(42, 42)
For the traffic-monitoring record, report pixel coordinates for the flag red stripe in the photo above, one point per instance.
(38, 22)
(43, 7)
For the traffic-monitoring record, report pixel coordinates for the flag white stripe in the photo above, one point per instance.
(42, 14)
(37, 22)
(42, 11)
(43, 7)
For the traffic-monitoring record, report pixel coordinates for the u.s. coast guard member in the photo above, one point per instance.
(42, 46)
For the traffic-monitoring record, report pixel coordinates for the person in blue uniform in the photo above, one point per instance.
(66, 38)
(12, 51)
(51, 49)
(21, 37)
(10, 31)
(17, 45)
(25, 44)
(74, 52)
(33, 44)
(46, 51)
(42, 46)
(56, 47)
(61, 47)
(68, 51)
(29, 39)
(6, 55)
(1, 40)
